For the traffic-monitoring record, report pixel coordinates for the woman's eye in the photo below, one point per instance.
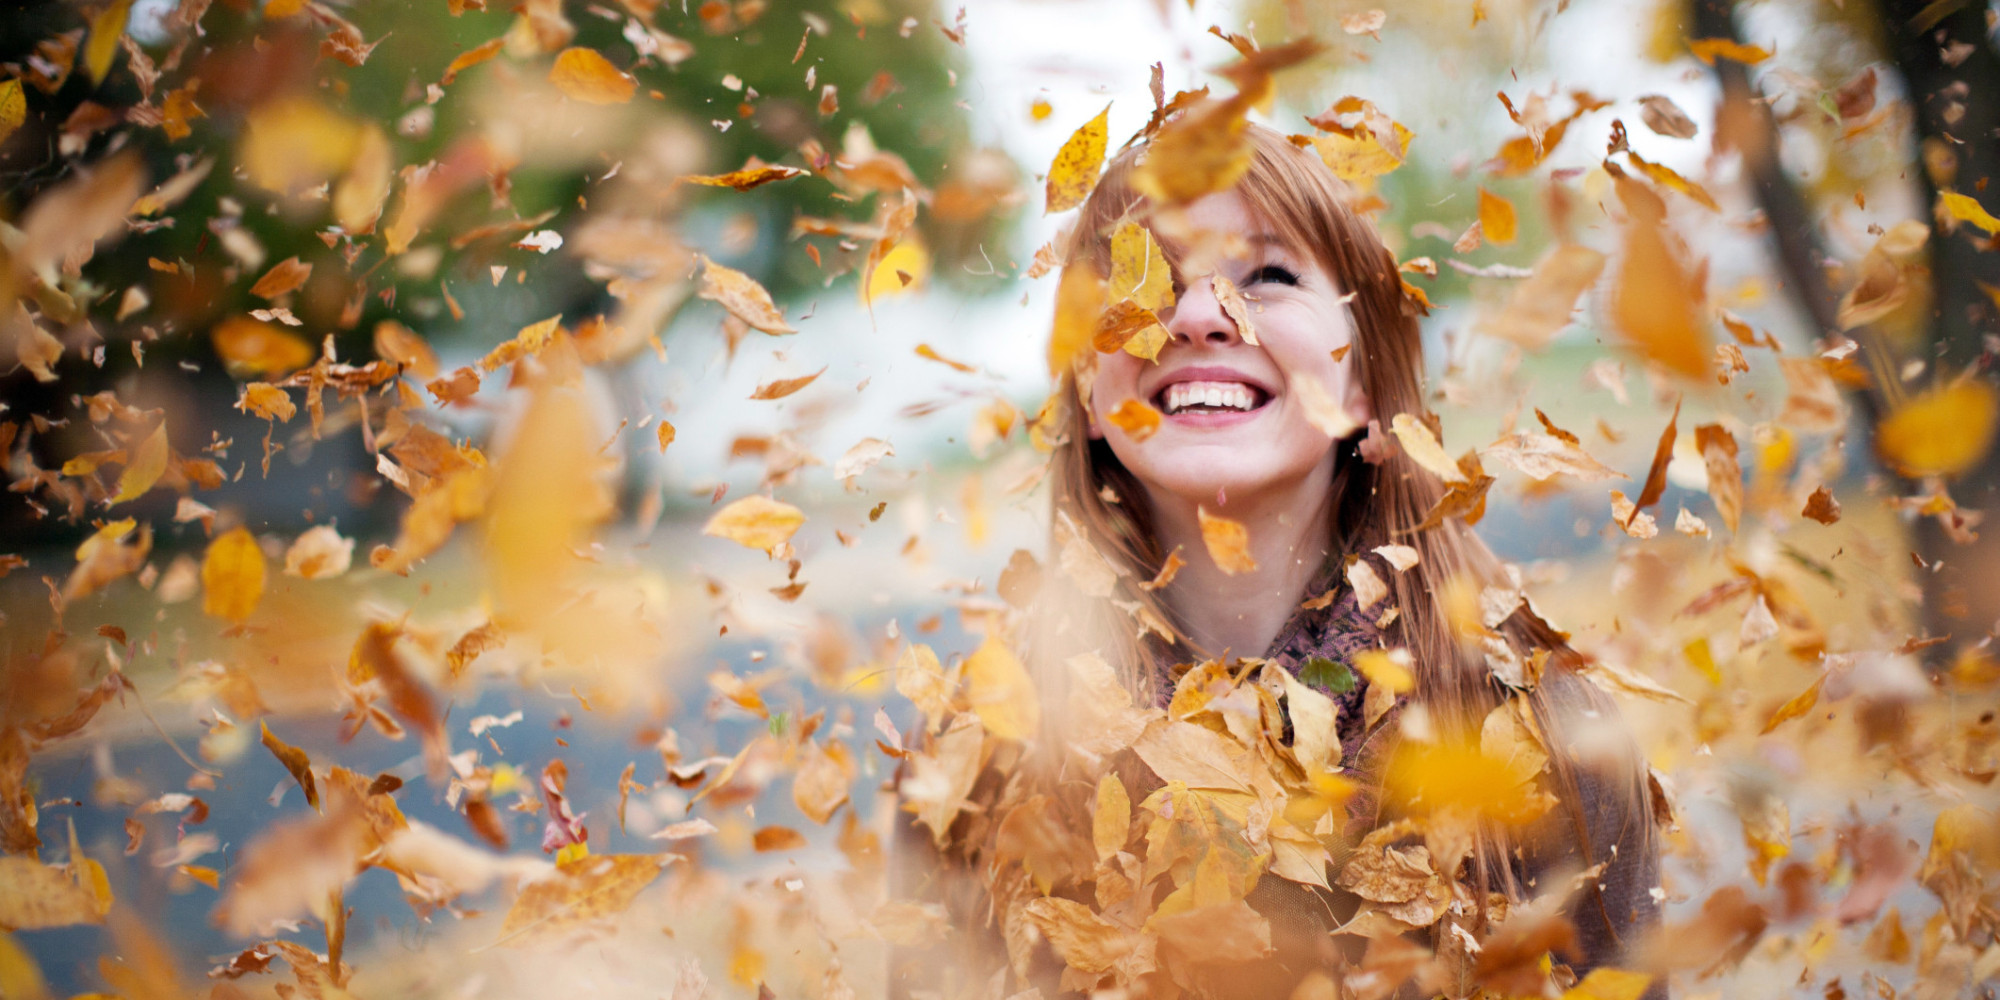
(1273, 273)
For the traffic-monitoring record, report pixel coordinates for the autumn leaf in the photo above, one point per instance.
(743, 297)
(471, 57)
(34, 896)
(1943, 431)
(295, 761)
(756, 522)
(1963, 208)
(1136, 418)
(584, 75)
(13, 107)
(148, 464)
(1708, 49)
(285, 277)
(1386, 668)
(580, 893)
(1665, 117)
(999, 691)
(1667, 176)
(1655, 303)
(1228, 543)
(1427, 779)
(1541, 456)
(777, 838)
(1797, 707)
(105, 28)
(1203, 151)
(665, 433)
(1821, 506)
(1139, 270)
(1079, 301)
(750, 176)
(780, 388)
(268, 401)
(232, 576)
(1074, 172)
(1496, 218)
(251, 347)
(1230, 298)
(1609, 984)
(319, 553)
(1422, 446)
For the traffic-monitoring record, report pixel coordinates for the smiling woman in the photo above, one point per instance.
(1304, 735)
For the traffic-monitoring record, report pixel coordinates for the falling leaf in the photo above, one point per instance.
(283, 278)
(1000, 692)
(743, 297)
(754, 175)
(1079, 301)
(777, 838)
(148, 464)
(1707, 49)
(1497, 221)
(268, 401)
(1941, 432)
(1139, 270)
(1427, 779)
(1136, 418)
(398, 343)
(780, 388)
(106, 26)
(665, 432)
(1421, 445)
(1074, 172)
(756, 522)
(319, 553)
(820, 786)
(860, 458)
(1964, 209)
(34, 896)
(1321, 410)
(1800, 704)
(1541, 456)
(1725, 475)
(1389, 669)
(1609, 984)
(232, 576)
(471, 57)
(1228, 543)
(1665, 117)
(1655, 303)
(1821, 506)
(1367, 22)
(1668, 177)
(13, 107)
(1231, 299)
(1401, 558)
(584, 75)
(249, 348)
(580, 893)
(1203, 151)
(295, 761)
(929, 353)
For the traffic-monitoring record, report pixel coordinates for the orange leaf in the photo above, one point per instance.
(472, 57)
(1942, 432)
(666, 433)
(1797, 707)
(1707, 49)
(584, 75)
(288, 275)
(929, 353)
(999, 691)
(1496, 218)
(780, 388)
(746, 178)
(743, 297)
(777, 838)
(1228, 543)
(1657, 304)
(1656, 475)
(250, 347)
(267, 401)
(232, 576)
(295, 761)
(1136, 418)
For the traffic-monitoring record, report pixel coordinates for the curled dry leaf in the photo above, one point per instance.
(1821, 506)
(756, 522)
(295, 761)
(750, 176)
(1233, 305)
(860, 458)
(1228, 543)
(1541, 456)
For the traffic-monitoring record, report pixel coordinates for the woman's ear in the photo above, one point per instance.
(1357, 404)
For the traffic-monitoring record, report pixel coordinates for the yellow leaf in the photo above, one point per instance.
(295, 142)
(146, 467)
(1657, 304)
(547, 498)
(1136, 418)
(755, 175)
(1800, 704)
(756, 522)
(19, 975)
(1228, 543)
(1385, 669)
(1362, 155)
(1965, 209)
(900, 270)
(13, 108)
(531, 340)
(1706, 49)
(1203, 151)
(249, 347)
(1609, 984)
(105, 29)
(295, 761)
(1497, 221)
(1112, 822)
(1429, 778)
(1669, 177)
(743, 297)
(471, 57)
(1942, 432)
(34, 896)
(1074, 172)
(1139, 270)
(581, 892)
(1079, 301)
(232, 576)
(1423, 446)
(584, 75)
(398, 343)
(1000, 692)
(666, 433)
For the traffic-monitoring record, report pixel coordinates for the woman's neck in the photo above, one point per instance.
(1289, 540)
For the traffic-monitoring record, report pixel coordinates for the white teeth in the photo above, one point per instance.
(1214, 395)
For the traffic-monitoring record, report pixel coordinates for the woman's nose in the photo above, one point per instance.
(1197, 316)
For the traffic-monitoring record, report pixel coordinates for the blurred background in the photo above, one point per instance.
(419, 186)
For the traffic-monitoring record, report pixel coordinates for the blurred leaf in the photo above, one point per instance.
(1228, 543)
(1942, 432)
(584, 75)
(295, 761)
(755, 522)
(232, 576)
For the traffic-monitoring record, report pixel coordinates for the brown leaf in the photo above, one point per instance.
(1821, 506)
(743, 297)
(295, 761)
(777, 838)
(284, 277)
(780, 388)
(1656, 474)
(1665, 117)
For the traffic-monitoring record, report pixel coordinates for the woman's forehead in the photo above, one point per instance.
(1215, 230)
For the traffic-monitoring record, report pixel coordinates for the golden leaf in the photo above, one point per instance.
(999, 690)
(754, 175)
(1204, 151)
(1707, 49)
(232, 575)
(267, 401)
(34, 896)
(398, 343)
(1797, 707)
(250, 347)
(1136, 418)
(666, 433)
(1497, 221)
(1656, 304)
(1943, 432)
(756, 522)
(471, 57)
(106, 26)
(1079, 301)
(580, 892)
(146, 467)
(1087, 942)
(1228, 543)
(743, 297)
(1363, 154)
(1074, 172)
(1965, 209)
(1666, 175)
(584, 75)
(1139, 270)
(1120, 324)
(547, 497)
(1609, 984)
(777, 838)
(1429, 778)
(319, 553)
(13, 108)
(1422, 446)
(1386, 668)
(1111, 822)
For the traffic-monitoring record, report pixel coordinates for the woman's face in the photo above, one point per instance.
(1236, 414)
